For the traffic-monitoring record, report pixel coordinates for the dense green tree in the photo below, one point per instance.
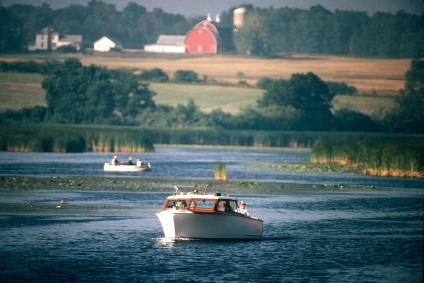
(99, 103)
(66, 92)
(130, 95)
(11, 37)
(409, 114)
(350, 121)
(306, 93)
(77, 94)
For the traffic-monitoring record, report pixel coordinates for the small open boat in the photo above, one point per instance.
(125, 168)
(204, 216)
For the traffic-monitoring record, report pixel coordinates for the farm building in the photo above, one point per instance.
(105, 44)
(167, 44)
(205, 38)
(48, 39)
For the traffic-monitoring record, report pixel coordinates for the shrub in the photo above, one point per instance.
(156, 75)
(184, 76)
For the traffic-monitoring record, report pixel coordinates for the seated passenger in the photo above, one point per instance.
(115, 161)
(242, 209)
(221, 206)
(192, 205)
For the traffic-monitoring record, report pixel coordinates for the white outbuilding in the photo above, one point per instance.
(105, 44)
(167, 44)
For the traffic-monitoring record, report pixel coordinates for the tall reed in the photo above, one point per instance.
(69, 138)
(398, 159)
(220, 171)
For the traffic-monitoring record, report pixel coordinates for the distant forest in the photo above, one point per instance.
(267, 31)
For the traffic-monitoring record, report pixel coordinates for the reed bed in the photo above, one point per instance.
(66, 138)
(378, 158)
(71, 138)
(220, 171)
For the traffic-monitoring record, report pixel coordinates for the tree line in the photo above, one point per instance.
(271, 31)
(267, 31)
(93, 95)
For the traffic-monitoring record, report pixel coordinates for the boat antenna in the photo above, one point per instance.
(206, 189)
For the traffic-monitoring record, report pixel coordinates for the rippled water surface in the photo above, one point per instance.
(310, 235)
(172, 162)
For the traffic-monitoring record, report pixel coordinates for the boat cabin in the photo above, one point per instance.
(202, 203)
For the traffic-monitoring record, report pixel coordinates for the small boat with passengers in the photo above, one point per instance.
(126, 168)
(207, 216)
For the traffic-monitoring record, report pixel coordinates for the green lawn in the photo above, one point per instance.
(18, 90)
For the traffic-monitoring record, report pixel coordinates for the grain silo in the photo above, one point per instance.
(238, 17)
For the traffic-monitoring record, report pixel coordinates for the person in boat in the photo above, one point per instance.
(224, 206)
(130, 161)
(242, 209)
(221, 206)
(115, 161)
(139, 163)
(192, 205)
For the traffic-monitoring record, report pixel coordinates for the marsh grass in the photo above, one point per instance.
(220, 171)
(68, 138)
(380, 158)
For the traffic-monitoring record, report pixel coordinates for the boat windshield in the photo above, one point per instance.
(227, 205)
(202, 204)
(187, 203)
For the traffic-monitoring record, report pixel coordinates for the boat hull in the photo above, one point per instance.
(124, 168)
(213, 225)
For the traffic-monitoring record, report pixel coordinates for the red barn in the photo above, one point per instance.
(203, 39)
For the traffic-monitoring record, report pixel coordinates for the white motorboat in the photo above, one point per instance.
(125, 168)
(201, 216)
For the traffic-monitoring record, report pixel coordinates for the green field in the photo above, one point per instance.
(19, 90)
(207, 97)
(377, 80)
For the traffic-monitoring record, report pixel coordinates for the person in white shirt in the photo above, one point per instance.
(242, 209)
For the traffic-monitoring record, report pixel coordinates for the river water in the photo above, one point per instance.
(310, 235)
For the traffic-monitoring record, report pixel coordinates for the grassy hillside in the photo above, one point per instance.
(377, 79)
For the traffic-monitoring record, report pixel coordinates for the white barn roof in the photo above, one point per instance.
(170, 40)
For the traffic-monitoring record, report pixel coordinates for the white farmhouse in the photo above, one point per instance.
(167, 44)
(105, 44)
(48, 39)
